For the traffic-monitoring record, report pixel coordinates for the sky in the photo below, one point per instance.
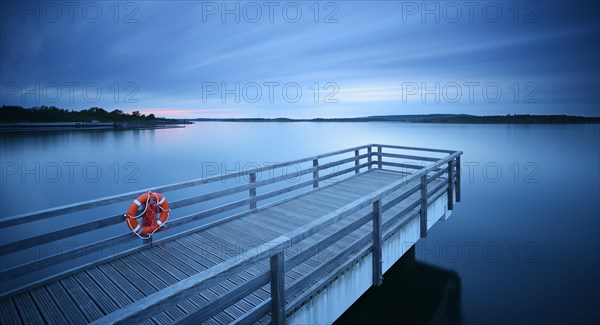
(191, 59)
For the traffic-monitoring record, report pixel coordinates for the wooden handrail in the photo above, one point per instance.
(252, 199)
(69, 208)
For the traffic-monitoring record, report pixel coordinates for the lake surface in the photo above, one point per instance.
(524, 240)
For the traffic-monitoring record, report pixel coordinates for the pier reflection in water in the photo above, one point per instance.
(413, 292)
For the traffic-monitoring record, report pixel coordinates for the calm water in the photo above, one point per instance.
(524, 240)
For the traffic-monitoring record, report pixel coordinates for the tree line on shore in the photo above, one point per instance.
(44, 113)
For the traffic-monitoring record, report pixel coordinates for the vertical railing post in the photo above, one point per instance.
(356, 162)
(451, 184)
(252, 178)
(379, 157)
(277, 289)
(377, 255)
(370, 159)
(423, 213)
(147, 240)
(315, 173)
(457, 179)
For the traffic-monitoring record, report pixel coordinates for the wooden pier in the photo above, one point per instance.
(276, 261)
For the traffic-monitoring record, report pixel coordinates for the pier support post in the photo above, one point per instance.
(252, 177)
(356, 162)
(451, 184)
(457, 179)
(277, 289)
(423, 213)
(369, 159)
(379, 157)
(377, 254)
(315, 173)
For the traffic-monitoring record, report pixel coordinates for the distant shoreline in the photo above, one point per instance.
(44, 118)
(82, 126)
(432, 118)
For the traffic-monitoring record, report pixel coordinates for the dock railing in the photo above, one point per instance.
(365, 158)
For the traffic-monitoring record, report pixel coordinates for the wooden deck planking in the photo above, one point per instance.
(153, 274)
(102, 300)
(181, 271)
(255, 241)
(9, 313)
(243, 276)
(65, 303)
(169, 266)
(48, 308)
(122, 274)
(88, 307)
(27, 309)
(119, 282)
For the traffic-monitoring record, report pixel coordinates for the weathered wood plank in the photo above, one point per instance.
(415, 148)
(95, 292)
(216, 257)
(399, 216)
(64, 256)
(450, 202)
(47, 307)
(81, 298)
(341, 162)
(239, 278)
(315, 173)
(327, 241)
(324, 272)
(377, 243)
(423, 215)
(252, 191)
(248, 240)
(160, 279)
(66, 304)
(401, 197)
(126, 278)
(340, 172)
(58, 234)
(9, 313)
(27, 309)
(356, 162)
(277, 289)
(410, 157)
(458, 179)
(255, 314)
(129, 280)
(217, 305)
(117, 294)
(402, 165)
(188, 305)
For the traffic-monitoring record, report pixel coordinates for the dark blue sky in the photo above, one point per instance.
(298, 59)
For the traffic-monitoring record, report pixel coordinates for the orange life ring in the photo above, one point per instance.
(149, 199)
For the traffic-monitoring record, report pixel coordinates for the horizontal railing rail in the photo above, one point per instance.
(52, 212)
(274, 251)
